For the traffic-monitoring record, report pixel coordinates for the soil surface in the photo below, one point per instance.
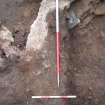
(82, 56)
(17, 16)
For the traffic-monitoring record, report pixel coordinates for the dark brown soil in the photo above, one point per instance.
(82, 57)
(18, 15)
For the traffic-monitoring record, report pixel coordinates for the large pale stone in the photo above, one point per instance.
(6, 38)
(39, 29)
(5, 34)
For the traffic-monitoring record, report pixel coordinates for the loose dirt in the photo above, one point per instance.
(82, 56)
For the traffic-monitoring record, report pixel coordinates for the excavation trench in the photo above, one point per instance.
(85, 67)
(82, 58)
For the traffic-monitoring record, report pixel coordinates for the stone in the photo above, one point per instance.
(39, 29)
(5, 34)
(72, 20)
(100, 10)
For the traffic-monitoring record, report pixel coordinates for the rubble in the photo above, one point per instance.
(5, 34)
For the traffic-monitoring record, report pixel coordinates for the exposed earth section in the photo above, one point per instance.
(28, 52)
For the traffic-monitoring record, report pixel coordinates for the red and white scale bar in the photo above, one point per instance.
(57, 43)
(57, 60)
